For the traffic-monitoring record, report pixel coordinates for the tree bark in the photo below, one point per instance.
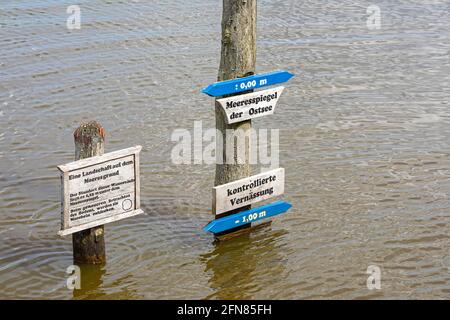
(89, 245)
(238, 59)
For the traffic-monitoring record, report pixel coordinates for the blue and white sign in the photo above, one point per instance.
(248, 83)
(248, 216)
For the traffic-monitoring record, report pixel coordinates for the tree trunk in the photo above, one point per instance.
(238, 59)
(89, 245)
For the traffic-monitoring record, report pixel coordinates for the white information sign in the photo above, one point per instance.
(100, 190)
(250, 105)
(249, 190)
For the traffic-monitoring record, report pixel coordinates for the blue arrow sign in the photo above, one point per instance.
(248, 83)
(245, 217)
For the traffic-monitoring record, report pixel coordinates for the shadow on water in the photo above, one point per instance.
(239, 267)
(94, 286)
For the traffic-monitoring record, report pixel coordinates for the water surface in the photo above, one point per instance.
(364, 138)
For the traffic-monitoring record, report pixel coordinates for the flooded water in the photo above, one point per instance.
(364, 138)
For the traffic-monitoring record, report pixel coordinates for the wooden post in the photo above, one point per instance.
(89, 244)
(238, 59)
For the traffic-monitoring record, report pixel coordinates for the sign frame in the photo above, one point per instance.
(87, 162)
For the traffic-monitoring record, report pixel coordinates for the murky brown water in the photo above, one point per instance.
(365, 140)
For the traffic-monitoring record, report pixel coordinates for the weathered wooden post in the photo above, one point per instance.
(237, 59)
(89, 244)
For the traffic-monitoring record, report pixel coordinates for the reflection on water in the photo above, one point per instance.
(364, 138)
(236, 274)
(90, 282)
